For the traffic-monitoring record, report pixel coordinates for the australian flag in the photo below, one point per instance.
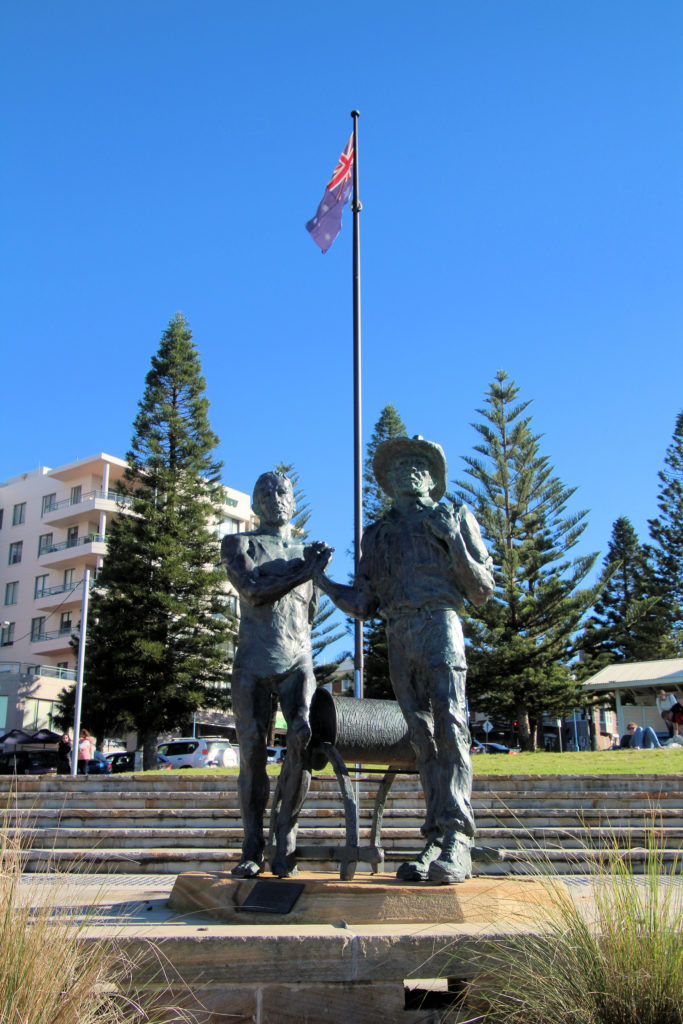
(326, 224)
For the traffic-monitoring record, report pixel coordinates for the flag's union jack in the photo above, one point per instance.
(342, 171)
(326, 225)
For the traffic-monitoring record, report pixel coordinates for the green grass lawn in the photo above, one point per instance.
(666, 761)
(606, 762)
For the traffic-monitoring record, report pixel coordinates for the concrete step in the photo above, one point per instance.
(161, 861)
(120, 823)
(536, 816)
(186, 782)
(220, 839)
(330, 800)
(515, 820)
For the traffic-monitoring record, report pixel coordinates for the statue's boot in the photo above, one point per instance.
(454, 863)
(251, 862)
(417, 870)
(247, 869)
(283, 863)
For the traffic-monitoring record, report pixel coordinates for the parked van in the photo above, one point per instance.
(199, 752)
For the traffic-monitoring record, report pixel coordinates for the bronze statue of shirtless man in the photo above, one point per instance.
(272, 571)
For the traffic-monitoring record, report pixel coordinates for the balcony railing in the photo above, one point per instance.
(62, 588)
(90, 496)
(53, 634)
(24, 668)
(90, 538)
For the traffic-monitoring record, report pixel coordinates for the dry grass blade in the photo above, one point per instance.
(615, 957)
(49, 974)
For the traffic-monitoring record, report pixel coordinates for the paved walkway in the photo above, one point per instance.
(130, 902)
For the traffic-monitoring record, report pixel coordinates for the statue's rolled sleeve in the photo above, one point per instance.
(257, 585)
(472, 564)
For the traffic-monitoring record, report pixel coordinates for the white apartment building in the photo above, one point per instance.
(53, 525)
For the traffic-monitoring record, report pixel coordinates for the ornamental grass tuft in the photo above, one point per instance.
(615, 957)
(51, 973)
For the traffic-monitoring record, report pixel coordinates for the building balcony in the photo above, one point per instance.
(69, 512)
(29, 671)
(63, 596)
(53, 641)
(79, 552)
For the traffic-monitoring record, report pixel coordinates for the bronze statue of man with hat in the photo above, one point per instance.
(418, 564)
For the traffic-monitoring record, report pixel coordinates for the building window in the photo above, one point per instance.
(11, 593)
(44, 543)
(72, 537)
(37, 628)
(65, 622)
(229, 525)
(19, 514)
(38, 714)
(4, 701)
(2, 512)
(69, 579)
(63, 666)
(15, 552)
(49, 502)
(40, 585)
(76, 495)
(7, 635)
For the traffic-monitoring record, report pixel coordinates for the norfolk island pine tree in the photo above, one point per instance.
(376, 503)
(631, 619)
(325, 628)
(666, 530)
(522, 640)
(159, 627)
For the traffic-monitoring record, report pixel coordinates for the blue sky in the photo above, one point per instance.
(520, 173)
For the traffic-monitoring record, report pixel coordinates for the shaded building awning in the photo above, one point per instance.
(642, 678)
(636, 683)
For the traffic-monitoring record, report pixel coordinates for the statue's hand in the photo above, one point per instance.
(442, 522)
(318, 555)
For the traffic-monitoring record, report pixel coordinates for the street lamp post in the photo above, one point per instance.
(79, 676)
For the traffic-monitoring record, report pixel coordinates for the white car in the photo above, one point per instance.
(199, 752)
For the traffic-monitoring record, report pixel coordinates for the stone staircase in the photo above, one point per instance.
(183, 821)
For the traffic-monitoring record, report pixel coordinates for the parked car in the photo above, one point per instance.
(98, 765)
(29, 762)
(477, 748)
(276, 755)
(131, 761)
(199, 752)
(122, 761)
(498, 748)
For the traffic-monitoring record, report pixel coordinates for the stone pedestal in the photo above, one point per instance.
(349, 952)
(324, 900)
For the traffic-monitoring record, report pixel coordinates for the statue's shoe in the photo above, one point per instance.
(417, 870)
(454, 863)
(247, 869)
(283, 865)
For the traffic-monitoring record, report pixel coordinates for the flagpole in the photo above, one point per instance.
(356, 207)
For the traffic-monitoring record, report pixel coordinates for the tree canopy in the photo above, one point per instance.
(376, 503)
(159, 629)
(630, 620)
(666, 531)
(521, 641)
(325, 628)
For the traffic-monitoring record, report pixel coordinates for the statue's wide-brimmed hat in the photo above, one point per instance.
(399, 447)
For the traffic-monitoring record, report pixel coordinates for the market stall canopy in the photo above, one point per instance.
(641, 678)
(46, 736)
(14, 737)
(21, 738)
